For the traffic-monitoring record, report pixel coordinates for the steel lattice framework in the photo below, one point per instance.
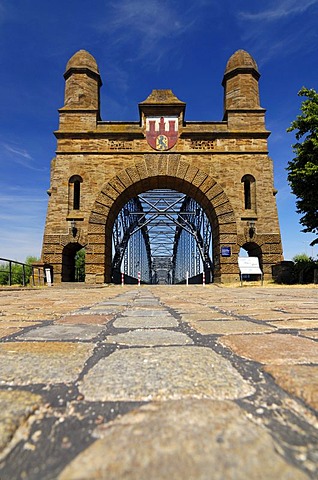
(164, 235)
(192, 245)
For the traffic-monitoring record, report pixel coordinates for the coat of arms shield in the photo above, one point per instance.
(162, 132)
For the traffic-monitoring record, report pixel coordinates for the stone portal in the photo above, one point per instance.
(223, 165)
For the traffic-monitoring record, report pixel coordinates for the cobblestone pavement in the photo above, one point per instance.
(159, 383)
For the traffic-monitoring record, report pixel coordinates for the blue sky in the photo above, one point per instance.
(140, 45)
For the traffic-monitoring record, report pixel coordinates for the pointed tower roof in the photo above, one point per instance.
(81, 60)
(241, 62)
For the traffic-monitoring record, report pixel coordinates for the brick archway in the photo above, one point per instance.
(158, 171)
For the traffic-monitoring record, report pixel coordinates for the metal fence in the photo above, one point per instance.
(18, 273)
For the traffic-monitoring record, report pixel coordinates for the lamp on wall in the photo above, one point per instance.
(73, 227)
(251, 228)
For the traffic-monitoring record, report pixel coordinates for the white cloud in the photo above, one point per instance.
(18, 151)
(279, 10)
(21, 157)
(150, 26)
(22, 216)
(274, 33)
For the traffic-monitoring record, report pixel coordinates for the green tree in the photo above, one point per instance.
(80, 265)
(304, 267)
(17, 271)
(303, 169)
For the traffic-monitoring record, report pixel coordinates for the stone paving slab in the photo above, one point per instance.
(18, 323)
(24, 363)
(63, 333)
(149, 338)
(207, 441)
(310, 334)
(301, 324)
(85, 319)
(146, 322)
(273, 348)
(143, 374)
(6, 331)
(241, 404)
(100, 310)
(300, 380)
(209, 315)
(146, 312)
(49, 303)
(15, 407)
(229, 327)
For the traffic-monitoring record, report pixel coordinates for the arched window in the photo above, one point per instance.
(74, 193)
(249, 186)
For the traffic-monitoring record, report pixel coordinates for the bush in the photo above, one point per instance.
(304, 268)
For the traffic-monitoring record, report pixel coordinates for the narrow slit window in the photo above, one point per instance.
(75, 192)
(247, 195)
(248, 182)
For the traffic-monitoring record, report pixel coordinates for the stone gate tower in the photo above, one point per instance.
(223, 165)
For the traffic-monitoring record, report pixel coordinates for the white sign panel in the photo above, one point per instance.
(249, 265)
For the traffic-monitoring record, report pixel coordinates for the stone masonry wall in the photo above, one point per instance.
(207, 162)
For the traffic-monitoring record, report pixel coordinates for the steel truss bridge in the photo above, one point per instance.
(164, 237)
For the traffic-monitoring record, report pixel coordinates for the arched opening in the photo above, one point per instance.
(74, 192)
(73, 263)
(249, 186)
(142, 177)
(252, 250)
(248, 273)
(162, 236)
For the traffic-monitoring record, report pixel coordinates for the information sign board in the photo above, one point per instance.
(249, 266)
(225, 251)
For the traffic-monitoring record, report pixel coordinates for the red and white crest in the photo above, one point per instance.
(162, 132)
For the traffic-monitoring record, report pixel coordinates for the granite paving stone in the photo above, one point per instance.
(300, 380)
(24, 363)
(161, 321)
(310, 334)
(142, 312)
(208, 315)
(228, 327)
(6, 331)
(15, 407)
(163, 373)
(63, 332)
(150, 337)
(301, 324)
(102, 312)
(159, 382)
(85, 319)
(206, 442)
(273, 348)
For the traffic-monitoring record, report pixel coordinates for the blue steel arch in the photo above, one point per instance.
(142, 232)
(129, 226)
(193, 237)
(169, 171)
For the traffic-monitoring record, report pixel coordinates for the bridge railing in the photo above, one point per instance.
(13, 272)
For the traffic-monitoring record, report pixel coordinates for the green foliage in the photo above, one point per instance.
(17, 272)
(304, 267)
(80, 266)
(303, 169)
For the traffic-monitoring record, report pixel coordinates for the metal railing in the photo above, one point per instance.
(18, 273)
